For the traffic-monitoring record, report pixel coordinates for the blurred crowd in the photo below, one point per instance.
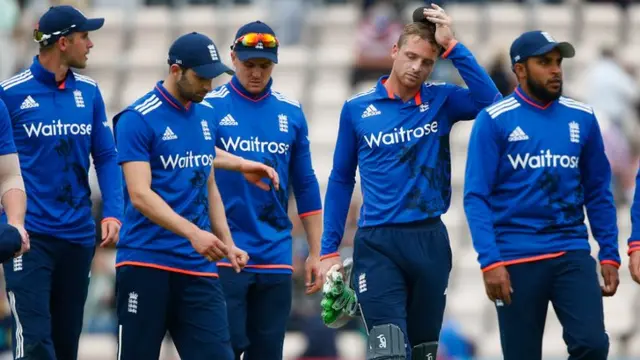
(608, 84)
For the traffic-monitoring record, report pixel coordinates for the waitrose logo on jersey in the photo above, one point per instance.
(188, 160)
(56, 128)
(254, 144)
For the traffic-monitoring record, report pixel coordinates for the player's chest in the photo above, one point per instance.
(544, 135)
(257, 132)
(50, 116)
(387, 128)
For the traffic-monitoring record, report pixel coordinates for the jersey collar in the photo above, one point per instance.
(240, 90)
(519, 93)
(48, 78)
(383, 93)
(170, 99)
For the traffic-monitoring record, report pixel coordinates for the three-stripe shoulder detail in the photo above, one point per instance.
(502, 107)
(363, 93)
(573, 104)
(85, 79)
(281, 97)
(151, 103)
(219, 93)
(15, 80)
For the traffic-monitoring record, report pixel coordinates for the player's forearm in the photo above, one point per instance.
(313, 227)
(217, 215)
(152, 206)
(110, 182)
(14, 203)
(634, 239)
(479, 217)
(227, 161)
(337, 204)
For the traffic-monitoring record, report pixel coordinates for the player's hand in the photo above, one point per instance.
(313, 280)
(498, 285)
(24, 235)
(634, 266)
(611, 279)
(209, 246)
(254, 172)
(326, 265)
(444, 33)
(110, 233)
(238, 258)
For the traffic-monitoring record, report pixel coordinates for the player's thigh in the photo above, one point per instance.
(428, 252)
(68, 295)
(268, 312)
(198, 321)
(522, 322)
(236, 288)
(142, 302)
(28, 284)
(378, 282)
(577, 300)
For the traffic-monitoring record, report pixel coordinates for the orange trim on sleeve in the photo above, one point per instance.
(309, 213)
(166, 268)
(286, 267)
(524, 260)
(610, 262)
(493, 266)
(633, 249)
(448, 51)
(634, 244)
(329, 256)
(111, 219)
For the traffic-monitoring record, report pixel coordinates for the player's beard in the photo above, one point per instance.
(540, 92)
(184, 89)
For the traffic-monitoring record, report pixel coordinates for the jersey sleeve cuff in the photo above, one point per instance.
(449, 49)
(329, 256)
(610, 262)
(633, 247)
(107, 219)
(493, 266)
(309, 213)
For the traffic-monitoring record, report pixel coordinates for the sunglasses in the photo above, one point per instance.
(39, 36)
(257, 40)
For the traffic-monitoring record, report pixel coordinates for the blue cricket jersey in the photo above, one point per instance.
(7, 146)
(530, 172)
(401, 149)
(56, 127)
(269, 128)
(178, 143)
(634, 239)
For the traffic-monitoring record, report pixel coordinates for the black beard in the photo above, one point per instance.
(541, 93)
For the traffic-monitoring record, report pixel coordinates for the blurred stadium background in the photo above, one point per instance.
(330, 50)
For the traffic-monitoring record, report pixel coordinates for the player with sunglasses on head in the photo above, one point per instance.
(261, 124)
(59, 124)
(397, 134)
(175, 227)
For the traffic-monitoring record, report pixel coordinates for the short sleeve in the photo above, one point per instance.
(133, 137)
(7, 146)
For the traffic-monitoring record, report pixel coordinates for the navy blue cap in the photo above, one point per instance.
(10, 242)
(62, 20)
(536, 43)
(197, 52)
(260, 50)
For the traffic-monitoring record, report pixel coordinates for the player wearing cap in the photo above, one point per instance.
(259, 123)
(397, 134)
(59, 124)
(14, 240)
(536, 160)
(166, 272)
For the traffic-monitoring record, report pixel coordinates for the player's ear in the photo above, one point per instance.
(394, 51)
(175, 70)
(520, 70)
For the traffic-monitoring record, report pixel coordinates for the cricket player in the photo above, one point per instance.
(634, 239)
(175, 228)
(257, 122)
(536, 159)
(59, 123)
(397, 133)
(14, 240)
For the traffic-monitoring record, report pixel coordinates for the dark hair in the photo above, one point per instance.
(426, 30)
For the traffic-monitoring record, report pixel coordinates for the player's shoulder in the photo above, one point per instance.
(147, 105)
(503, 108)
(18, 83)
(84, 81)
(285, 100)
(218, 95)
(576, 106)
(364, 96)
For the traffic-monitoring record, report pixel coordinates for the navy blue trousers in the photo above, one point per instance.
(47, 289)
(570, 283)
(400, 274)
